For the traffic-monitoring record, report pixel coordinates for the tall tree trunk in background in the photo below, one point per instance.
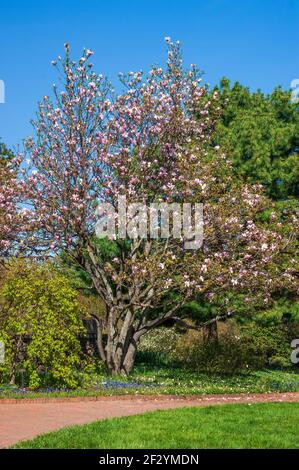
(210, 333)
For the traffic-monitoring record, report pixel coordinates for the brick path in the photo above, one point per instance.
(24, 419)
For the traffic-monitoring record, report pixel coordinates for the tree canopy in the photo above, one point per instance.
(154, 142)
(260, 133)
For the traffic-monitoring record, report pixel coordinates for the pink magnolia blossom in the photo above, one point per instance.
(151, 143)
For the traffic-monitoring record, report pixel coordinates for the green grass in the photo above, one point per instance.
(179, 381)
(272, 425)
(176, 380)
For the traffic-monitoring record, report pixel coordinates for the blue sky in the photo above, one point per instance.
(253, 41)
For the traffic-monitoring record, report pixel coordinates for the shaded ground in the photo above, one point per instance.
(22, 419)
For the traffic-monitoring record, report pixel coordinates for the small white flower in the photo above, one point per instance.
(89, 52)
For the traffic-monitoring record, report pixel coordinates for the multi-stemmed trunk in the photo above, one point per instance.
(123, 363)
(120, 347)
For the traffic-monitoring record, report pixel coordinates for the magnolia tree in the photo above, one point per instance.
(12, 217)
(150, 144)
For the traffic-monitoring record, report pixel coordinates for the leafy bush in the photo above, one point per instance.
(227, 355)
(40, 325)
(158, 347)
(267, 341)
(239, 348)
(278, 362)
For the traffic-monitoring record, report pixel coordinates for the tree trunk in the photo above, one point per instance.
(12, 380)
(122, 361)
(129, 358)
(121, 344)
(124, 364)
(210, 333)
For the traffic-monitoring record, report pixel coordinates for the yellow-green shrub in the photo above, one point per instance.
(40, 324)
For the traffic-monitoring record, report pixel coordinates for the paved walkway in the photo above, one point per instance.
(24, 419)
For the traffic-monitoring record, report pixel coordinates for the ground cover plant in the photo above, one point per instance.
(165, 380)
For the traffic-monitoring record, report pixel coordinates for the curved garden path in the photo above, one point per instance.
(25, 418)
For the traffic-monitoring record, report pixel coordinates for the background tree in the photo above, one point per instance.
(6, 155)
(152, 143)
(260, 133)
(12, 217)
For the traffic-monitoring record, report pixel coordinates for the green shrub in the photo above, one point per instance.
(40, 325)
(158, 347)
(238, 349)
(227, 355)
(278, 362)
(267, 341)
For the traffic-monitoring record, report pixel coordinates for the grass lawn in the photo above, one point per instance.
(273, 425)
(157, 380)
